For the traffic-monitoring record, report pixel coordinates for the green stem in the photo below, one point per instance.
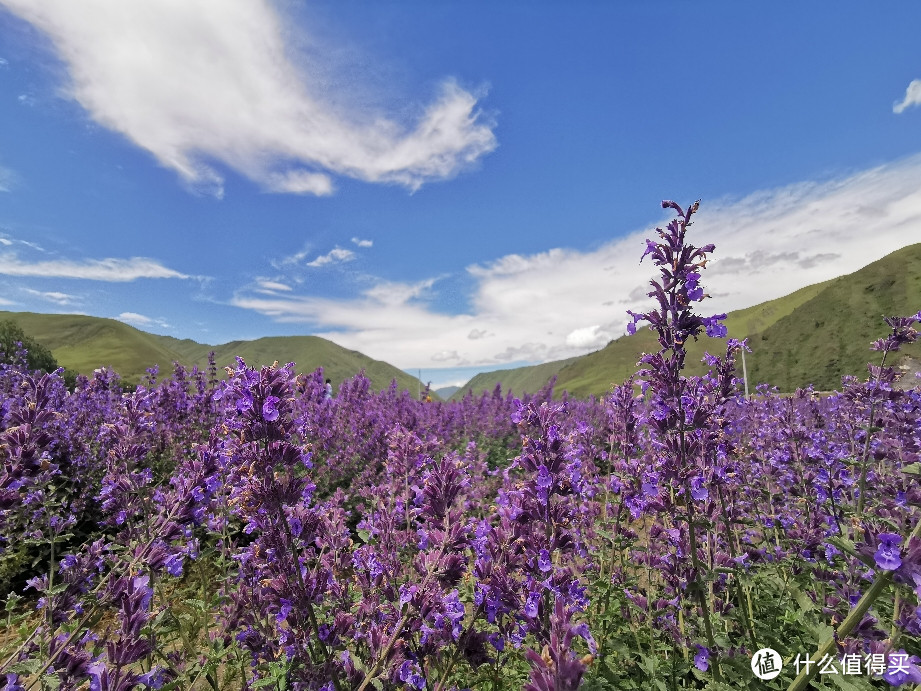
(698, 586)
(311, 614)
(854, 617)
(864, 465)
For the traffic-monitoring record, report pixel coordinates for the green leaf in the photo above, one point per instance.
(11, 601)
(912, 469)
(848, 682)
(802, 599)
(30, 666)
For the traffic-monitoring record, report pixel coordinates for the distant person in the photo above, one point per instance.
(329, 389)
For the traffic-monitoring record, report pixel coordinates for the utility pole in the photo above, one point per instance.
(744, 372)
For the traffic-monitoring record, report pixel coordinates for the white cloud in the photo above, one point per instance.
(270, 287)
(7, 179)
(136, 319)
(6, 303)
(291, 260)
(363, 243)
(220, 81)
(111, 270)
(394, 294)
(588, 337)
(6, 242)
(335, 256)
(53, 296)
(564, 302)
(912, 97)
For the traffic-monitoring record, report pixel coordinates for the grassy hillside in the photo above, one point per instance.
(83, 343)
(310, 352)
(518, 380)
(814, 335)
(830, 335)
(596, 372)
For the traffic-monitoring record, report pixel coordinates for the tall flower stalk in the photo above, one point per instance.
(678, 413)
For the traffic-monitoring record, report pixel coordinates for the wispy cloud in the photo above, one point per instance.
(292, 260)
(111, 270)
(136, 319)
(912, 97)
(565, 302)
(53, 296)
(334, 256)
(220, 83)
(8, 179)
(363, 243)
(271, 287)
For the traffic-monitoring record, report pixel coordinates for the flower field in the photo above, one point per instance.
(246, 532)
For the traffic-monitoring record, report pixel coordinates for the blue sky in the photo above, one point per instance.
(451, 187)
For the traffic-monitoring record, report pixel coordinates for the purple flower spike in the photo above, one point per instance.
(887, 554)
(543, 561)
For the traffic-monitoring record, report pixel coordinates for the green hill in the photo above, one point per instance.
(830, 335)
(83, 343)
(814, 335)
(518, 380)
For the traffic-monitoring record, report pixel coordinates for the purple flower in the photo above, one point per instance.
(407, 594)
(530, 607)
(245, 401)
(695, 292)
(702, 658)
(887, 554)
(902, 668)
(699, 489)
(269, 411)
(173, 565)
(543, 561)
(284, 610)
(152, 679)
(409, 674)
(715, 327)
(544, 479)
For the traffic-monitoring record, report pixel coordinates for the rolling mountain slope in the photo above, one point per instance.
(830, 335)
(814, 335)
(83, 343)
(593, 374)
(518, 380)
